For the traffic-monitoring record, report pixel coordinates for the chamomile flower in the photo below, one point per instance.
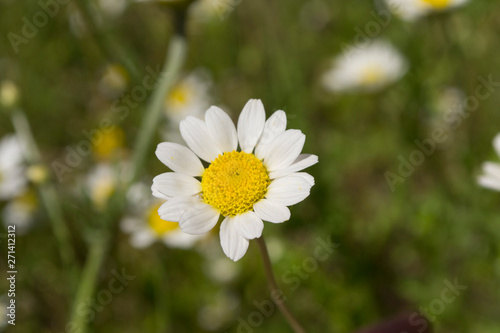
(413, 9)
(491, 170)
(189, 97)
(21, 211)
(365, 67)
(145, 225)
(109, 144)
(248, 186)
(13, 180)
(114, 81)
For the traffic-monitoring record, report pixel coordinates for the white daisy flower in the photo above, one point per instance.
(189, 97)
(366, 67)
(13, 180)
(246, 187)
(145, 225)
(491, 171)
(411, 10)
(21, 211)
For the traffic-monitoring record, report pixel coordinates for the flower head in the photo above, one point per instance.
(145, 225)
(491, 171)
(13, 180)
(21, 211)
(367, 67)
(248, 186)
(413, 9)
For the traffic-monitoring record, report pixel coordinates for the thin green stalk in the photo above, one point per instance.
(273, 286)
(88, 282)
(172, 67)
(47, 192)
(173, 64)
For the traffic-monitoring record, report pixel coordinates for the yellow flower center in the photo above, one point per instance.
(178, 96)
(234, 182)
(101, 193)
(110, 142)
(371, 75)
(157, 224)
(438, 4)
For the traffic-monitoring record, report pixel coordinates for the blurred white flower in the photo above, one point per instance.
(414, 9)
(205, 10)
(13, 180)
(189, 97)
(101, 183)
(112, 8)
(491, 171)
(246, 187)
(145, 225)
(365, 67)
(21, 211)
(114, 80)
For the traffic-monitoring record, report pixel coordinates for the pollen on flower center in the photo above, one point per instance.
(157, 224)
(438, 4)
(234, 182)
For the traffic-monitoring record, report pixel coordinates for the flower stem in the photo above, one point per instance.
(173, 64)
(88, 281)
(271, 281)
(47, 191)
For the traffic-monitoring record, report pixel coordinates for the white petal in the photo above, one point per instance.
(174, 208)
(284, 149)
(302, 162)
(275, 125)
(248, 225)
(492, 169)
(306, 176)
(271, 211)
(142, 239)
(199, 219)
(194, 131)
(173, 184)
(288, 190)
(251, 124)
(233, 244)
(179, 239)
(179, 159)
(496, 144)
(222, 129)
(158, 194)
(489, 182)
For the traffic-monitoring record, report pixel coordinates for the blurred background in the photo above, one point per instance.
(413, 231)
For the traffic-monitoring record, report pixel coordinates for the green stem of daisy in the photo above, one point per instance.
(173, 64)
(273, 286)
(47, 192)
(88, 281)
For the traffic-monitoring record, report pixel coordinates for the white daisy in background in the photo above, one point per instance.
(189, 97)
(491, 171)
(411, 10)
(365, 67)
(100, 184)
(114, 81)
(21, 211)
(205, 10)
(246, 187)
(145, 225)
(13, 180)
(112, 8)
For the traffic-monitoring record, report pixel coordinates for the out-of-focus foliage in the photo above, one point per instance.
(396, 248)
